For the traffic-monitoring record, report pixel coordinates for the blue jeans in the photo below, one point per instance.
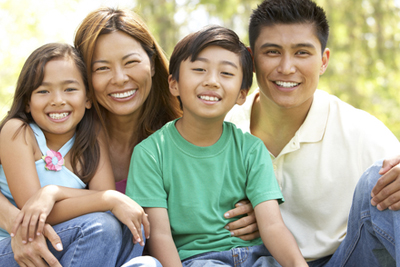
(371, 234)
(255, 256)
(95, 239)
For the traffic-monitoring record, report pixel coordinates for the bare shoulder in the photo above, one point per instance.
(13, 128)
(13, 134)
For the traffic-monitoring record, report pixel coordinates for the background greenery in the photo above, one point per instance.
(364, 40)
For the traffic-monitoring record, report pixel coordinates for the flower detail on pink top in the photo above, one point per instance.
(54, 160)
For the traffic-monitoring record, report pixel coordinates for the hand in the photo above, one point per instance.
(36, 253)
(131, 214)
(246, 227)
(33, 215)
(386, 192)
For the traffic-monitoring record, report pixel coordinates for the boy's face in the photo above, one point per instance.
(288, 63)
(210, 86)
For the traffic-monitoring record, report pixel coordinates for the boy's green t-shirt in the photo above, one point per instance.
(199, 184)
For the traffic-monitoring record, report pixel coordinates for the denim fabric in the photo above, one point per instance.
(256, 256)
(95, 239)
(371, 234)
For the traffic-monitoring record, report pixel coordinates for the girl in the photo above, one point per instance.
(49, 138)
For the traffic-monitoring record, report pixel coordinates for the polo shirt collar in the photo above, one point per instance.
(313, 128)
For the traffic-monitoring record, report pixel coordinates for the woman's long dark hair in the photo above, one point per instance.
(160, 106)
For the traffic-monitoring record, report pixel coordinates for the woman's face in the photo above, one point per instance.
(121, 73)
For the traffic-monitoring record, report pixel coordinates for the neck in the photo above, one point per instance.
(275, 125)
(121, 129)
(56, 141)
(200, 132)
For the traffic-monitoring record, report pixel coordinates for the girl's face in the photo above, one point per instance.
(59, 103)
(121, 73)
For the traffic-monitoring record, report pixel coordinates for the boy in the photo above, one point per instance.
(187, 174)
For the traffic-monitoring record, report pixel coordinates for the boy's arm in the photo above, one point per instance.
(276, 236)
(161, 245)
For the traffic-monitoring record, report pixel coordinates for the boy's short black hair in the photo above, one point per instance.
(271, 12)
(194, 43)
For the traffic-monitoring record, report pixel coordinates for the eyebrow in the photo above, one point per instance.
(223, 62)
(299, 45)
(63, 82)
(123, 58)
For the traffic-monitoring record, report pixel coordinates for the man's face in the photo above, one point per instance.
(288, 63)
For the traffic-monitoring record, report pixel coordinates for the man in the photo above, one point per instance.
(319, 145)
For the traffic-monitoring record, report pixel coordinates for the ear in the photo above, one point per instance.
(88, 104)
(325, 60)
(153, 68)
(173, 86)
(242, 96)
(252, 57)
(27, 108)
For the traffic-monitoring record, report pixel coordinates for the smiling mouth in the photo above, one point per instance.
(286, 84)
(124, 94)
(209, 98)
(58, 116)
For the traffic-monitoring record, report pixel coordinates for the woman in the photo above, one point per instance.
(128, 80)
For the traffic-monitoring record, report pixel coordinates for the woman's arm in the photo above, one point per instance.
(276, 236)
(161, 245)
(36, 252)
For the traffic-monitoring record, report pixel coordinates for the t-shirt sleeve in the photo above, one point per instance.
(261, 181)
(145, 183)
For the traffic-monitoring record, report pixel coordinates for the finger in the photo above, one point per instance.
(241, 223)
(251, 236)
(240, 210)
(25, 229)
(52, 236)
(388, 164)
(390, 201)
(50, 258)
(139, 230)
(41, 224)
(32, 227)
(18, 220)
(242, 202)
(245, 230)
(382, 182)
(134, 232)
(146, 225)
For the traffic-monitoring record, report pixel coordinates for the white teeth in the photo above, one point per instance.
(58, 116)
(209, 98)
(124, 95)
(286, 84)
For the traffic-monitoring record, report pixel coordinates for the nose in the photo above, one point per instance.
(286, 65)
(119, 77)
(58, 99)
(211, 80)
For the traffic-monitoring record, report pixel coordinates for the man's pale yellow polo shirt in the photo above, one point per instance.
(319, 168)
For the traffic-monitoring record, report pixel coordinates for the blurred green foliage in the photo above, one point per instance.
(364, 43)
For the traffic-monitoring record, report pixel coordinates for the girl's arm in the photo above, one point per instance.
(36, 253)
(24, 183)
(276, 236)
(161, 245)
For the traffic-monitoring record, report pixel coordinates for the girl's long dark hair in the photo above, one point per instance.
(85, 152)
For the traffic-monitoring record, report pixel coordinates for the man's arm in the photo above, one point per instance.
(246, 227)
(161, 244)
(386, 193)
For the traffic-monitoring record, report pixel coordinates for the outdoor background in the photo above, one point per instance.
(364, 69)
